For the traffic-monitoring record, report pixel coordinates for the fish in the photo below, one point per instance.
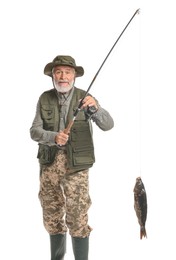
(140, 205)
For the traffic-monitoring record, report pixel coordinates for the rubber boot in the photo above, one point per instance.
(58, 246)
(80, 248)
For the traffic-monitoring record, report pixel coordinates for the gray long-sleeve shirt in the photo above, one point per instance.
(102, 119)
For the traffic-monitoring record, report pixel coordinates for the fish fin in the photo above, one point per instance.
(143, 232)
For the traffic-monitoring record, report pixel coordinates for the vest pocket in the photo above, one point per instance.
(80, 148)
(46, 154)
(80, 158)
(47, 113)
(80, 132)
(83, 156)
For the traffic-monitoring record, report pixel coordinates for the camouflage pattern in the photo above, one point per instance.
(64, 198)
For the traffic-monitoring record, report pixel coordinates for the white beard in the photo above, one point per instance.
(62, 89)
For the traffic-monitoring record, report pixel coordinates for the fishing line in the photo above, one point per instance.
(140, 195)
(137, 95)
(140, 103)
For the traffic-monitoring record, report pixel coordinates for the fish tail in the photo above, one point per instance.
(143, 232)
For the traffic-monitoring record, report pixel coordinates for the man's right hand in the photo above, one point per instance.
(61, 138)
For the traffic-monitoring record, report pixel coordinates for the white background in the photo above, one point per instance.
(136, 85)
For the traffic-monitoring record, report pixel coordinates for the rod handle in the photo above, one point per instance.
(68, 128)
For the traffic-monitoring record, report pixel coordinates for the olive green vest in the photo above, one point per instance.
(80, 148)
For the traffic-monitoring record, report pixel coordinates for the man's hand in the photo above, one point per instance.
(61, 138)
(89, 102)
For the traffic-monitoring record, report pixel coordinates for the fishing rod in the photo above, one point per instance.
(67, 129)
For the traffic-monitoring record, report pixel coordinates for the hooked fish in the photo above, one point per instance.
(140, 205)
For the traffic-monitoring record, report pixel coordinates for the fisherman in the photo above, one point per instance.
(65, 158)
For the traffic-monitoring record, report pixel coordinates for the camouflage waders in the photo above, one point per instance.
(65, 201)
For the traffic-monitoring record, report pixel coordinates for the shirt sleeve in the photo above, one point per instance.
(38, 133)
(103, 119)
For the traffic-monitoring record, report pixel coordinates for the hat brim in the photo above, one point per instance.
(49, 67)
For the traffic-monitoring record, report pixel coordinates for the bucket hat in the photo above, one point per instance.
(63, 60)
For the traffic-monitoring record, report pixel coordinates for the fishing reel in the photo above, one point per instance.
(90, 111)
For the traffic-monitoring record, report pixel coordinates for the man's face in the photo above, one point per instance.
(64, 77)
